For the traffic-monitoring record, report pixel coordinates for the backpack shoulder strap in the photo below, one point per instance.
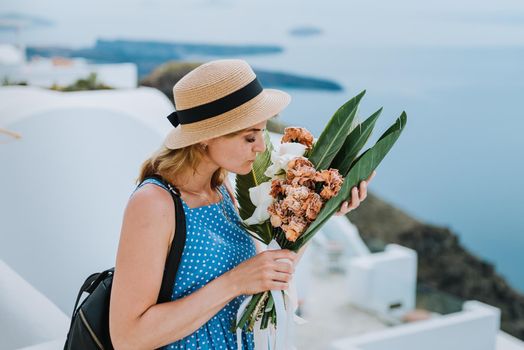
(177, 247)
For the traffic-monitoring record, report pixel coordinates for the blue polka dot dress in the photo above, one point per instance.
(215, 243)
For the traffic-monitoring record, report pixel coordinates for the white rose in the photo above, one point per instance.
(283, 156)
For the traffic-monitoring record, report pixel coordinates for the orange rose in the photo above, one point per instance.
(312, 206)
(293, 230)
(299, 135)
(295, 197)
(277, 215)
(332, 182)
(300, 171)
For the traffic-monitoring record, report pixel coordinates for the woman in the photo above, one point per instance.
(221, 113)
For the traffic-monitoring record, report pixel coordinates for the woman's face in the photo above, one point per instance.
(237, 153)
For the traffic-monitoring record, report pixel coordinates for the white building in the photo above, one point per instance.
(11, 55)
(46, 72)
(66, 181)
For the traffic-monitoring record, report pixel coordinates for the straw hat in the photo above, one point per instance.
(217, 98)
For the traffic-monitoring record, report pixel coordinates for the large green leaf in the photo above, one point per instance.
(354, 143)
(254, 178)
(361, 169)
(335, 133)
(398, 125)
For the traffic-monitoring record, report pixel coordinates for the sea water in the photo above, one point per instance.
(456, 68)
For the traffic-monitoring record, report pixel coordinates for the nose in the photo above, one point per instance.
(260, 145)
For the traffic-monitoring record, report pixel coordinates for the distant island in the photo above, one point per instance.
(166, 75)
(15, 21)
(305, 31)
(148, 55)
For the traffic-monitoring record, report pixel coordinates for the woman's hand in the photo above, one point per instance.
(269, 270)
(357, 196)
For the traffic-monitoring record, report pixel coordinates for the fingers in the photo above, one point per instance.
(357, 196)
(355, 200)
(276, 285)
(281, 277)
(363, 187)
(345, 207)
(363, 192)
(284, 266)
(371, 176)
(281, 254)
(268, 270)
(278, 269)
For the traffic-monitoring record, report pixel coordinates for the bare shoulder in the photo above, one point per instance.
(151, 196)
(152, 209)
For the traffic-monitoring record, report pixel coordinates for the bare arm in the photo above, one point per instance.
(136, 321)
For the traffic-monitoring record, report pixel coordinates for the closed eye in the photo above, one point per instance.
(253, 138)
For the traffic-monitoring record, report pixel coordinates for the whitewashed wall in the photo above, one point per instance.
(64, 185)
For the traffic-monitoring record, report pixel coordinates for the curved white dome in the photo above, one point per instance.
(66, 182)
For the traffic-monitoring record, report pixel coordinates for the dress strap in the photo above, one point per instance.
(159, 181)
(151, 180)
(226, 194)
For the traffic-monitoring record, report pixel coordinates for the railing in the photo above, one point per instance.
(474, 328)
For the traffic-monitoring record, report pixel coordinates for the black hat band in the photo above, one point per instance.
(217, 107)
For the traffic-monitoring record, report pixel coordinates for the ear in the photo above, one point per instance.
(206, 141)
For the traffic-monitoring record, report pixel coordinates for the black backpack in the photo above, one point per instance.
(89, 327)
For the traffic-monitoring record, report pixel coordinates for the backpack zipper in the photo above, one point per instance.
(93, 335)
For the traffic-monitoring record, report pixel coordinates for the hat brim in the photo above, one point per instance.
(266, 105)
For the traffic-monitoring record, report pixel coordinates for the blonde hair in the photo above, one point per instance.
(171, 163)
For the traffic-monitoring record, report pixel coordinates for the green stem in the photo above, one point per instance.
(249, 310)
(265, 320)
(274, 316)
(270, 303)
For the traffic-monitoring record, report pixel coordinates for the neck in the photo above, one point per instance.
(199, 180)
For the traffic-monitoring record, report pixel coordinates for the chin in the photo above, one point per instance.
(243, 170)
(240, 169)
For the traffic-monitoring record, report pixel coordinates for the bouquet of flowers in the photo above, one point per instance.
(291, 192)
